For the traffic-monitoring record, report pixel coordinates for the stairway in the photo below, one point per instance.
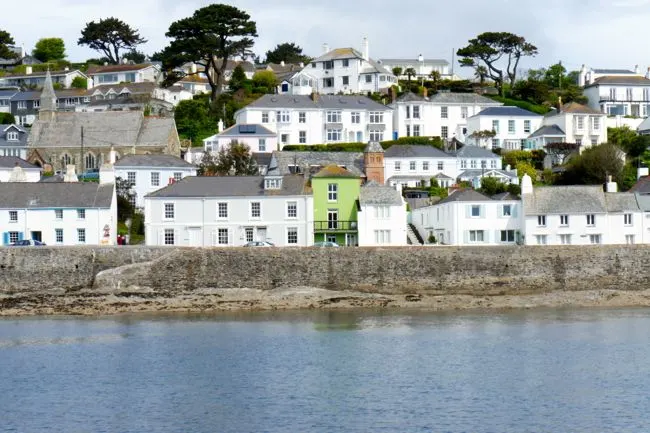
(412, 235)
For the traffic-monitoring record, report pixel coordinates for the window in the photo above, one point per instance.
(541, 239)
(81, 214)
(58, 236)
(130, 177)
(58, 214)
(328, 64)
(507, 210)
(483, 163)
(425, 166)
(22, 105)
(629, 239)
(14, 237)
(493, 164)
(408, 111)
(463, 112)
(463, 164)
(507, 235)
(302, 137)
(346, 80)
(331, 238)
(273, 183)
(169, 211)
(313, 65)
(541, 220)
(382, 212)
(265, 117)
(565, 239)
(441, 166)
(472, 163)
(475, 211)
(302, 117)
(222, 236)
(155, 178)
(13, 216)
(256, 209)
(408, 130)
(594, 141)
(333, 117)
(333, 135)
(368, 78)
(612, 94)
(332, 219)
(81, 236)
(382, 237)
(527, 126)
(594, 239)
(261, 144)
(628, 93)
(646, 94)
(376, 117)
(90, 161)
(416, 111)
(284, 138)
(580, 123)
(595, 122)
(444, 112)
(249, 234)
(564, 220)
(375, 136)
(345, 63)
(416, 130)
(591, 220)
(12, 136)
(495, 126)
(356, 117)
(511, 126)
(328, 82)
(476, 236)
(398, 166)
(222, 210)
(169, 237)
(177, 176)
(444, 131)
(292, 209)
(412, 165)
(627, 218)
(332, 192)
(133, 199)
(292, 236)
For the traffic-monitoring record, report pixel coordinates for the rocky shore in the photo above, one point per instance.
(215, 300)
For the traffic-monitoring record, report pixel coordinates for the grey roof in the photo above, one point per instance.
(505, 196)
(48, 97)
(643, 200)
(41, 74)
(642, 185)
(645, 125)
(262, 158)
(629, 80)
(27, 96)
(246, 130)
(35, 195)
(441, 175)
(339, 53)
(313, 161)
(565, 200)
(468, 195)
(414, 151)
(152, 161)
(411, 97)
(230, 186)
(507, 111)
(621, 202)
(373, 147)
(7, 94)
(374, 193)
(470, 174)
(468, 151)
(340, 102)
(613, 71)
(22, 136)
(102, 129)
(462, 98)
(146, 87)
(12, 161)
(415, 61)
(548, 130)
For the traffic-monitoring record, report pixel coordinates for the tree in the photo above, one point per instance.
(7, 119)
(435, 77)
(49, 49)
(397, 71)
(5, 41)
(79, 83)
(194, 120)
(110, 36)
(489, 48)
(232, 160)
(513, 157)
(135, 56)
(287, 52)
(526, 168)
(481, 73)
(410, 73)
(593, 165)
(491, 186)
(559, 151)
(210, 37)
(124, 193)
(237, 79)
(265, 80)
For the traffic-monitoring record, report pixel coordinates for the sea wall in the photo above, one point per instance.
(168, 272)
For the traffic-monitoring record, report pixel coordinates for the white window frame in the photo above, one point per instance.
(58, 232)
(154, 178)
(512, 128)
(223, 205)
(81, 214)
(169, 211)
(564, 220)
(58, 214)
(81, 236)
(302, 137)
(541, 220)
(169, 237)
(474, 236)
(444, 112)
(332, 192)
(292, 235)
(302, 117)
(255, 207)
(627, 219)
(13, 216)
(292, 209)
(223, 236)
(131, 177)
(565, 239)
(356, 117)
(591, 220)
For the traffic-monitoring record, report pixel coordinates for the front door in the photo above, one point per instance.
(261, 234)
(195, 237)
(332, 219)
(37, 236)
(359, 137)
(351, 240)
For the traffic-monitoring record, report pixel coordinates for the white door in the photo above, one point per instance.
(261, 234)
(195, 237)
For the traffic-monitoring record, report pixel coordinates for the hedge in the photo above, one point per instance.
(359, 147)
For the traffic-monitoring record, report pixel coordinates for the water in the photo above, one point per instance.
(541, 371)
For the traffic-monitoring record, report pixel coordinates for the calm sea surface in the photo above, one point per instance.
(539, 371)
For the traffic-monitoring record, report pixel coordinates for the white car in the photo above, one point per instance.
(260, 244)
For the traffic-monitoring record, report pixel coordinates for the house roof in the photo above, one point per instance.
(643, 200)
(565, 200)
(333, 170)
(414, 151)
(282, 162)
(152, 161)
(36, 74)
(26, 96)
(613, 71)
(105, 69)
(574, 107)
(436, 62)
(373, 147)
(12, 161)
(462, 98)
(507, 111)
(470, 174)
(22, 136)
(624, 79)
(246, 130)
(341, 102)
(504, 196)
(7, 94)
(642, 185)
(469, 151)
(548, 130)
(374, 193)
(144, 87)
(466, 195)
(339, 53)
(411, 97)
(645, 125)
(230, 186)
(262, 158)
(621, 202)
(35, 195)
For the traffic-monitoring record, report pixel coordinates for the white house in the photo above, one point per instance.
(14, 169)
(422, 67)
(257, 137)
(58, 213)
(123, 73)
(346, 70)
(382, 217)
(5, 99)
(508, 127)
(194, 84)
(34, 79)
(620, 94)
(467, 217)
(581, 215)
(409, 165)
(574, 123)
(148, 173)
(222, 211)
(440, 115)
(13, 141)
(319, 119)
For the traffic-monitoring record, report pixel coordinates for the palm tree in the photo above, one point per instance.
(397, 71)
(435, 77)
(409, 72)
(481, 73)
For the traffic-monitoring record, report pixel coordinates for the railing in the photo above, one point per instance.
(334, 226)
(624, 99)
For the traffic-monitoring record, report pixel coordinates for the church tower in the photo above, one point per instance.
(47, 108)
(373, 162)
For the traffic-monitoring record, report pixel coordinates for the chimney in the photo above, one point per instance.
(526, 184)
(193, 68)
(66, 68)
(106, 174)
(611, 186)
(220, 126)
(112, 156)
(636, 69)
(314, 96)
(647, 74)
(326, 48)
(508, 167)
(642, 172)
(70, 174)
(28, 70)
(281, 62)
(424, 92)
(364, 49)
(302, 65)
(420, 58)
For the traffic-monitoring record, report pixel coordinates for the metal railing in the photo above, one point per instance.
(333, 226)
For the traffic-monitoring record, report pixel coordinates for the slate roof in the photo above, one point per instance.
(465, 195)
(645, 125)
(505, 196)
(506, 111)
(642, 185)
(333, 170)
(117, 128)
(35, 195)
(574, 107)
(643, 200)
(37, 74)
(621, 202)
(572, 199)
(246, 130)
(262, 158)
(22, 136)
(462, 98)
(93, 69)
(470, 174)
(26, 96)
(411, 97)
(468, 151)
(613, 71)
(416, 61)
(548, 130)
(341, 102)
(12, 161)
(152, 161)
(339, 53)
(144, 87)
(373, 193)
(280, 161)
(414, 151)
(373, 147)
(626, 80)
(7, 94)
(230, 186)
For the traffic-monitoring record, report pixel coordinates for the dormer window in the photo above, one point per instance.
(12, 136)
(273, 183)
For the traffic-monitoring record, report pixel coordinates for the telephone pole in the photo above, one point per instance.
(83, 162)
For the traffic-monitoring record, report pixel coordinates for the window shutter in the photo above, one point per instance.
(5, 238)
(20, 236)
(497, 236)
(514, 210)
(482, 211)
(468, 211)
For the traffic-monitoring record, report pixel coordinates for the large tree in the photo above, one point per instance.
(49, 50)
(488, 49)
(5, 41)
(110, 36)
(287, 52)
(594, 164)
(210, 37)
(232, 160)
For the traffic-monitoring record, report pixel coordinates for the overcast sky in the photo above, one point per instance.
(600, 33)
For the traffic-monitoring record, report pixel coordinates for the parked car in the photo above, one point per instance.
(326, 244)
(28, 243)
(92, 173)
(260, 244)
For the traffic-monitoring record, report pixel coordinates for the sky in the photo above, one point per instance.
(598, 33)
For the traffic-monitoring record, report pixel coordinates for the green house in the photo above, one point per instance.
(336, 194)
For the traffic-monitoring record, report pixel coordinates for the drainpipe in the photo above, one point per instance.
(203, 222)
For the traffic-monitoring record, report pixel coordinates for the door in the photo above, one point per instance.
(195, 237)
(359, 137)
(332, 219)
(351, 240)
(261, 234)
(37, 236)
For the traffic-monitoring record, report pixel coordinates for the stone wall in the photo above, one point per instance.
(421, 270)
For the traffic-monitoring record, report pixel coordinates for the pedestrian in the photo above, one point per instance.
(119, 239)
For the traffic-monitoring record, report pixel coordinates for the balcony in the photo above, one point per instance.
(624, 99)
(335, 226)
